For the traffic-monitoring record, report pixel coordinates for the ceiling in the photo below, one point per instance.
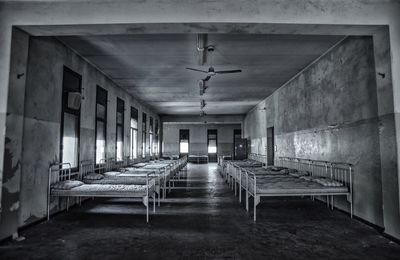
(152, 67)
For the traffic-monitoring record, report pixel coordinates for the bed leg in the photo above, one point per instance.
(332, 202)
(327, 201)
(351, 208)
(247, 200)
(67, 204)
(240, 193)
(154, 202)
(147, 213)
(234, 183)
(255, 208)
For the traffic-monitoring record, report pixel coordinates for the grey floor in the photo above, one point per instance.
(204, 221)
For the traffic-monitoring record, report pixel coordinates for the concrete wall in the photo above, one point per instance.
(41, 120)
(198, 138)
(330, 112)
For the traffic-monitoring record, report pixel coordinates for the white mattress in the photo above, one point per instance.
(107, 190)
(140, 180)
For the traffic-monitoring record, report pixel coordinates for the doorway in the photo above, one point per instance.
(212, 145)
(270, 146)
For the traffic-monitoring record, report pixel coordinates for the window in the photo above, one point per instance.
(212, 141)
(144, 126)
(101, 124)
(151, 136)
(70, 118)
(237, 136)
(120, 129)
(156, 138)
(184, 141)
(134, 132)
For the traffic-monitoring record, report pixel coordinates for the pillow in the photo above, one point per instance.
(307, 178)
(299, 174)
(66, 185)
(94, 176)
(284, 171)
(111, 174)
(275, 168)
(292, 170)
(328, 182)
(123, 169)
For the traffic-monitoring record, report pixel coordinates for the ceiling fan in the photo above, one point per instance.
(212, 72)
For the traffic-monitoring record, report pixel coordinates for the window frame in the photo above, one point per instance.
(181, 133)
(144, 129)
(151, 136)
(120, 109)
(212, 132)
(98, 90)
(135, 112)
(65, 109)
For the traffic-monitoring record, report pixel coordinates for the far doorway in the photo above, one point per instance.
(212, 145)
(270, 146)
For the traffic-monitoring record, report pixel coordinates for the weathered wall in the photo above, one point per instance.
(329, 112)
(14, 134)
(42, 117)
(198, 137)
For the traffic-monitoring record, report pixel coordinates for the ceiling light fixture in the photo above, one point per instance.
(202, 86)
(202, 103)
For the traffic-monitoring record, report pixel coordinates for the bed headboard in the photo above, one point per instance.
(342, 172)
(60, 172)
(86, 167)
(107, 164)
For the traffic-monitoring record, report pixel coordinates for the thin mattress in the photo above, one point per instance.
(107, 190)
(293, 186)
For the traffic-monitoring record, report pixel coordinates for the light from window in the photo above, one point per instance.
(184, 147)
(70, 140)
(212, 146)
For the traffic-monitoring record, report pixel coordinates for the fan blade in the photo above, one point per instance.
(207, 78)
(197, 70)
(227, 71)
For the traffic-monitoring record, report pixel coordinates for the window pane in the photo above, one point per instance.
(143, 144)
(100, 141)
(212, 146)
(133, 143)
(120, 143)
(184, 147)
(134, 123)
(151, 145)
(70, 140)
(120, 118)
(100, 111)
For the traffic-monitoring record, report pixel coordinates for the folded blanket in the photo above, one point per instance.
(94, 176)
(328, 182)
(299, 174)
(307, 178)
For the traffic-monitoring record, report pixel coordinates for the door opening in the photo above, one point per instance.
(270, 146)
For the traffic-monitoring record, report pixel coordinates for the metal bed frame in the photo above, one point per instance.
(88, 166)
(62, 171)
(341, 172)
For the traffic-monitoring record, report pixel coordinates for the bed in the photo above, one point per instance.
(198, 158)
(63, 183)
(103, 174)
(319, 179)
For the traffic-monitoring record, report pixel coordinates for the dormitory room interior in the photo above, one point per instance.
(199, 129)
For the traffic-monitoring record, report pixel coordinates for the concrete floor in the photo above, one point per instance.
(203, 222)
